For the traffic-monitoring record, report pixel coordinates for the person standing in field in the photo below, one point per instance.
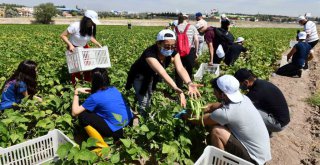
(146, 71)
(234, 51)
(312, 34)
(267, 98)
(215, 37)
(200, 22)
(299, 54)
(192, 44)
(80, 34)
(21, 84)
(235, 124)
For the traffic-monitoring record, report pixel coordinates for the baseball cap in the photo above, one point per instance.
(308, 15)
(302, 35)
(225, 22)
(93, 16)
(166, 34)
(243, 74)
(185, 15)
(300, 18)
(240, 39)
(229, 85)
(223, 16)
(175, 22)
(198, 14)
(201, 23)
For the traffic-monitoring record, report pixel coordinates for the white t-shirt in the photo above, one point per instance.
(311, 29)
(246, 124)
(75, 38)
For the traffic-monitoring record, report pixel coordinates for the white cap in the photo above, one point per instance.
(161, 35)
(240, 39)
(308, 15)
(229, 85)
(93, 16)
(201, 23)
(302, 35)
(185, 15)
(300, 18)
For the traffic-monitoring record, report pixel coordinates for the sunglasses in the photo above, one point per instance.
(169, 47)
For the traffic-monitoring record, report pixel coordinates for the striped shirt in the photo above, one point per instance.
(190, 33)
(311, 29)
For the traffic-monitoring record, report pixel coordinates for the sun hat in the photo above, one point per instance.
(166, 34)
(302, 35)
(198, 14)
(93, 16)
(201, 23)
(240, 39)
(229, 85)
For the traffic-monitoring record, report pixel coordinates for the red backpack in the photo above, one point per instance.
(183, 42)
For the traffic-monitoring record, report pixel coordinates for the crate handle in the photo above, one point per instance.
(231, 159)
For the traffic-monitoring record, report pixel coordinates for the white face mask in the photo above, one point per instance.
(166, 52)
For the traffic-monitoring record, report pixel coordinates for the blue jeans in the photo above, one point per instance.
(143, 100)
(271, 123)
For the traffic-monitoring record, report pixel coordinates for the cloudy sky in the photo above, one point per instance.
(279, 7)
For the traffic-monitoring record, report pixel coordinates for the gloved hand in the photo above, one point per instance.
(180, 114)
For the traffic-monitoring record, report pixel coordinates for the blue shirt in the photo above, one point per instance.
(108, 103)
(12, 93)
(303, 50)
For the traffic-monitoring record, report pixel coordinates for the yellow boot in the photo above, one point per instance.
(95, 134)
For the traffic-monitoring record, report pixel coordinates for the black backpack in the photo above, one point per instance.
(224, 38)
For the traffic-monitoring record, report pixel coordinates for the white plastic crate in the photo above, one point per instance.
(215, 69)
(215, 156)
(35, 151)
(85, 59)
(292, 43)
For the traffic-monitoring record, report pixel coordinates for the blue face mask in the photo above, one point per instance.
(166, 52)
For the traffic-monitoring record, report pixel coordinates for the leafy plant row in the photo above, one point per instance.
(160, 139)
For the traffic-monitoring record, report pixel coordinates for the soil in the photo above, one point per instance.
(299, 143)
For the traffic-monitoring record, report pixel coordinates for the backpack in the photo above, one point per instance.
(224, 38)
(183, 42)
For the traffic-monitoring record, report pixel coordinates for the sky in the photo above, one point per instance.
(277, 7)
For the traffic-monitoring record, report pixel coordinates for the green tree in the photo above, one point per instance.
(11, 12)
(44, 13)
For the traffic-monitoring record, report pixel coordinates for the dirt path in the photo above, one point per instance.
(299, 143)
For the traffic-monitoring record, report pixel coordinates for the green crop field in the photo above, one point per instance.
(161, 139)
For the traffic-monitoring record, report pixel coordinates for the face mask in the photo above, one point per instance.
(166, 52)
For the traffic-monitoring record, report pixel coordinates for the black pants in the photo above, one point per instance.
(312, 44)
(289, 70)
(216, 59)
(89, 118)
(188, 63)
(229, 59)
